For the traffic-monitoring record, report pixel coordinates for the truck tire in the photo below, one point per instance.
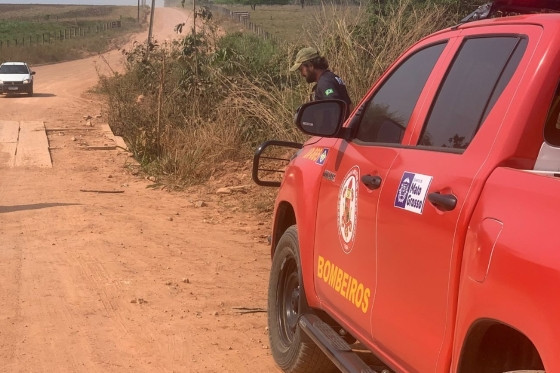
(292, 349)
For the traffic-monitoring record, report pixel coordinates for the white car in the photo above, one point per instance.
(16, 77)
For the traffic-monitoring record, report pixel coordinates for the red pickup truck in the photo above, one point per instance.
(421, 229)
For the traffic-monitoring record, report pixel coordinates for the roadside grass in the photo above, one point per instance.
(189, 107)
(54, 12)
(361, 43)
(53, 33)
(59, 51)
(289, 23)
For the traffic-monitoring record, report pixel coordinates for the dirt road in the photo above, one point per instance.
(100, 271)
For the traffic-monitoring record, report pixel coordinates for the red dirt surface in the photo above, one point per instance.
(136, 278)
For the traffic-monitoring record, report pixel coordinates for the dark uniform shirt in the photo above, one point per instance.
(330, 86)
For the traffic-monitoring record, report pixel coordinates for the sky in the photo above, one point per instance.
(81, 2)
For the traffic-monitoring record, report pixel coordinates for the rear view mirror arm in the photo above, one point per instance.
(258, 155)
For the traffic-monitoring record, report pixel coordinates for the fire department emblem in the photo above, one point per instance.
(348, 209)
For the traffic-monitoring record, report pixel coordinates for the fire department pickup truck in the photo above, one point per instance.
(421, 229)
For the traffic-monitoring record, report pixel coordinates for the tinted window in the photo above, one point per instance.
(387, 113)
(475, 81)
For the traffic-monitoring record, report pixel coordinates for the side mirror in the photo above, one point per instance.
(321, 118)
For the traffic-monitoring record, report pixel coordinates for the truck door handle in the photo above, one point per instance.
(443, 202)
(372, 182)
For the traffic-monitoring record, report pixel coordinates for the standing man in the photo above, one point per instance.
(315, 69)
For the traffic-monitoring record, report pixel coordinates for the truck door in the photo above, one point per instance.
(354, 171)
(427, 200)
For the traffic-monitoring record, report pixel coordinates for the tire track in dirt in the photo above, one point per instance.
(93, 272)
(11, 263)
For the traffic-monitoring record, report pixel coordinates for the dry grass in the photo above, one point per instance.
(53, 13)
(222, 98)
(360, 54)
(31, 32)
(289, 22)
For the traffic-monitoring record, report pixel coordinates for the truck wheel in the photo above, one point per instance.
(291, 348)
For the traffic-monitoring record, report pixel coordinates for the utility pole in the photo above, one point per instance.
(138, 11)
(151, 22)
(194, 18)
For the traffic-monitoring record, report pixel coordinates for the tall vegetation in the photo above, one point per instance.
(361, 50)
(186, 106)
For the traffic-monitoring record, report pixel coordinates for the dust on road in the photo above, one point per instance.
(100, 270)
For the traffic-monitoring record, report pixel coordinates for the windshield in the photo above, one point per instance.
(14, 69)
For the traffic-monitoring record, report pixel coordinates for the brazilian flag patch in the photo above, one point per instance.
(329, 91)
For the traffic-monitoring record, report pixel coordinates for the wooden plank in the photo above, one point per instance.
(9, 131)
(33, 145)
(107, 130)
(7, 154)
(104, 147)
(119, 141)
(72, 129)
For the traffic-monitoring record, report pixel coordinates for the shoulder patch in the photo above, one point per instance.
(329, 91)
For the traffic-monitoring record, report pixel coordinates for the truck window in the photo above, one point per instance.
(476, 79)
(552, 127)
(388, 111)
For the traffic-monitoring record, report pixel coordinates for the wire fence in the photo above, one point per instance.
(59, 35)
(244, 19)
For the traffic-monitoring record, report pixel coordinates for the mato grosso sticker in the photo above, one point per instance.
(412, 190)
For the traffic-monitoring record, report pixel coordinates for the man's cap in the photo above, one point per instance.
(304, 54)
